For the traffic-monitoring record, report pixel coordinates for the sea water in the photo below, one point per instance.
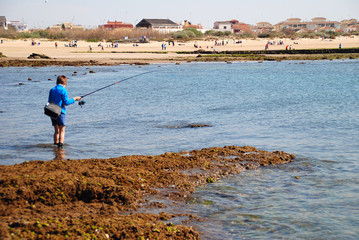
(308, 108)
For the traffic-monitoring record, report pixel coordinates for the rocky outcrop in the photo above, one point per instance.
(38, 56)
(81, 199)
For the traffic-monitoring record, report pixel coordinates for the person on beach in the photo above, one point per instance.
(59, 96)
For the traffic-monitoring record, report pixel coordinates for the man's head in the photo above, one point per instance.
(61, 80)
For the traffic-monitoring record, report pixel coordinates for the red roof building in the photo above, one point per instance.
(241, 28)
(115, 24)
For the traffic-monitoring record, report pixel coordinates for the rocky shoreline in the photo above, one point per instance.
(96, 198)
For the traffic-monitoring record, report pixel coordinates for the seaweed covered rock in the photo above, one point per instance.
(81, 199)
(38, 56)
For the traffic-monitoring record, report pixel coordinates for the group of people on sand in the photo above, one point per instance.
(220, 43)
(280, 42)
(164, 45)
(111, 45)
(72, 44)
(33, 43)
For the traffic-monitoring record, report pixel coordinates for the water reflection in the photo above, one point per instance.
(60, 154)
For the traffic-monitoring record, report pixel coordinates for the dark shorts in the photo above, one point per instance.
(59, 121)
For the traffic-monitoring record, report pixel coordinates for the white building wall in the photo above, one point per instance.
(19, 26)
(222, 26)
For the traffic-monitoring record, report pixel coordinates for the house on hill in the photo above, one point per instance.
(161, 25)
(3, 22)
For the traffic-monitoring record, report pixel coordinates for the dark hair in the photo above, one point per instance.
(61, 80)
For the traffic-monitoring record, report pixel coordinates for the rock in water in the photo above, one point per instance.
(198, 125)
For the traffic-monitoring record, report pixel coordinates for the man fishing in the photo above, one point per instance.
(59, 96)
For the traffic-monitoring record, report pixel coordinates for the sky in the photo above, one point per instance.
(90, 14)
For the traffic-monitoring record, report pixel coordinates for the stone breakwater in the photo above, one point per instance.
(95, 198)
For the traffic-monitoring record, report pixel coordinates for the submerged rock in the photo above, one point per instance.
(194, 125)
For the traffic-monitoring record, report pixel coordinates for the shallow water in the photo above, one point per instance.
(306, 108)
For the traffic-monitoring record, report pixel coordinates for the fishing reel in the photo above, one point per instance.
(81, 103)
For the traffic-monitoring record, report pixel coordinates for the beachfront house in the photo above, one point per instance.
(317, 24)
(263, 27)
(18, 26)
(240, 27)
(350, 25)
(352, 28)
(291, 23)
(223, 26)
(116, 25)
(3, 22)
(161, 25)
(321, 22)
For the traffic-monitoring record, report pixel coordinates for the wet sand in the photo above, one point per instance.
(98, 198)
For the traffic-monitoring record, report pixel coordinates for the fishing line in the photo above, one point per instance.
(82, 102)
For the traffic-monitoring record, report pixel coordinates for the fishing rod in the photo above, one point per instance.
(82, 102)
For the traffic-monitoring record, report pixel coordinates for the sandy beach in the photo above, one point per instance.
(152, 51)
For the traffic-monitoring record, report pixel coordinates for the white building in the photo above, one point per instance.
(223, 26)
(18, 26)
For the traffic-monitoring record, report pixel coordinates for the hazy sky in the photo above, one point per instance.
(89, 13)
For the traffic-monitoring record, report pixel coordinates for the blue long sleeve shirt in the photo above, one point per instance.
(58, 95)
